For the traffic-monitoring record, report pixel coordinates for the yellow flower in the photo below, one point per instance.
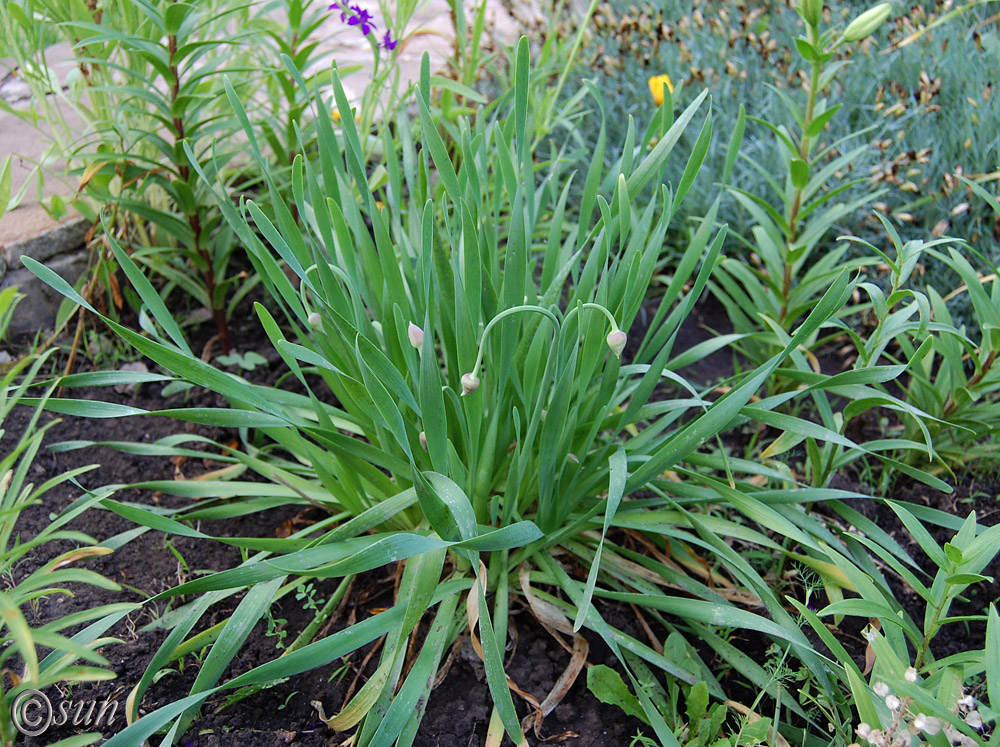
(656, 84)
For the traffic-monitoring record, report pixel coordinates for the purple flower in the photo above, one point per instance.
(388, 42)
(361, 18)
(341, 8)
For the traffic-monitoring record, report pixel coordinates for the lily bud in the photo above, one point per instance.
(812, 11)
(314, 320)
(881, 689)
(616, 341)
(470, 383)
(416, 335)
(865, 24)
(423, 440)
(974, 719)
(911, 674)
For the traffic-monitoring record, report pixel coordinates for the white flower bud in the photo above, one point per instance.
(616, 341)
(892, 702)
(973, 719)
(881, 689)
(864, 730)
(470, 383)
(314, 320)
(423, 440)
(416, 335)
(874, 737)
(911, 674)
(927, 724)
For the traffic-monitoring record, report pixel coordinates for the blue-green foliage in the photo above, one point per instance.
(934, 79)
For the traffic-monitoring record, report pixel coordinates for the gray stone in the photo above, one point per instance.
(38, 310)
(60, 239)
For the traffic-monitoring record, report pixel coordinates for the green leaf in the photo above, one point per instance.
(800, 173)
(991, 659)
(608, 687)
(735, 143)
(5, 182)
(819, 121)
(807, 50)
(618, 475)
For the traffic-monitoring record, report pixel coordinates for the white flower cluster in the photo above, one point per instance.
(907, 726)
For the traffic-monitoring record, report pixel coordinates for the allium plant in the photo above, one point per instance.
(484, 419)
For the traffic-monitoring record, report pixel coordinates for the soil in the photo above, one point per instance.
(459, 708)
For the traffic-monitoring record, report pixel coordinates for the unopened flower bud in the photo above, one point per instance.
(423, 440)
(911, 674)
(865, 24)
(892, 702)
(881, 689)
(973, 719)
(314, 320)
(927, 724)
(616, 341)
(470, 383)
(864, 730)
(416, 335)
(874, 737)
(812, 11)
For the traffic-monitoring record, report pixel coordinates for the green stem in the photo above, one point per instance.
(804, 149)
(501, 315)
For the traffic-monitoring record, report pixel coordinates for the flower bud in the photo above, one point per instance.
(423, 440)
(616, 341)
(314, 320)
(911, 674)
(812, 11)
(927, 724)
(973, 719)
(656, 84)
(864, 730)
(881, 689)
(470, 383)
(416, 335)
(967, 701)
(865, 24)
(892, 702)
